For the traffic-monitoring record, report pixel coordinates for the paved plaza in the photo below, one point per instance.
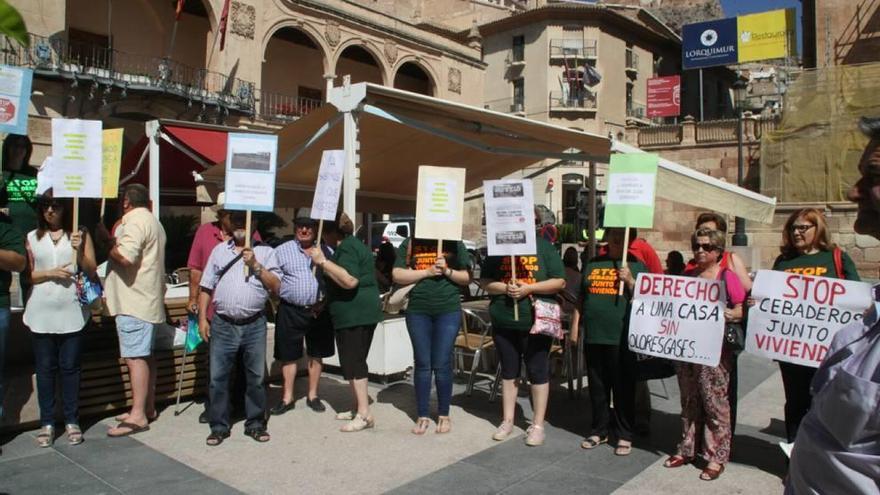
(308, 455)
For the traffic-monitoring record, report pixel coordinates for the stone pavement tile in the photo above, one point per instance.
(21, 445)
(49, 474)
(201, 486)
(557, 480)
(601, 462)
(460, 478)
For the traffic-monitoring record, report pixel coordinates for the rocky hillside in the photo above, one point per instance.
(677, 13)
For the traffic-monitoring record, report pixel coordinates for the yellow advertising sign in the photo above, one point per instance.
(766, 35)
(112, 156)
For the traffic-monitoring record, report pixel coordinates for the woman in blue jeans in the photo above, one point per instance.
(433, 317)
(54, 314)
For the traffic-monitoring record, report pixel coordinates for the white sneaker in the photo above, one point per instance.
(535, 436)
(503, 431)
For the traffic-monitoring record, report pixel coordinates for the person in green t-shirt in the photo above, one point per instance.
(806, 250)
(610, 364)
(433, 317)
(543, 276)
(353, 299)
(12, 259)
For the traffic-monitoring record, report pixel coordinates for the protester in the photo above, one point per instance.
(385, 259)
(674, 263)
(135, 294)
(353, 296)
(237, 281)
(837, 448)
(730, 260)
(55, 315)
(539, 276)
(12, 259)
(18, 193)
(705, 407)
(572, 290)
(302, 315)
(610, 364)
(807, 250)
(433, 318)
(206, 238)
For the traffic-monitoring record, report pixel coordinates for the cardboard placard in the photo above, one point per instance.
(77, 167)
(251, 161)
(15, 97)
(440, 203)
(325, 202)
(632, 180)
(510, 217)
(111, 160)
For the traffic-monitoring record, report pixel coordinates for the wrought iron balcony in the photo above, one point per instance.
(506, 105)
(573, 48)
(578, 101)
(281, 108)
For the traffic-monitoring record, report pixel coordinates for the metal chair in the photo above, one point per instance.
(473, 339)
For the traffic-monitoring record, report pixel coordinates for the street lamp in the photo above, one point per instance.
(739, 100)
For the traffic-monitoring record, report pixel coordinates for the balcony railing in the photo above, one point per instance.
(506, 105)
(281, 108)
(584, 101)
(572, 48)
(636, 110)
(632, 60)
(109, 67)
(717, 131)
(660, 135)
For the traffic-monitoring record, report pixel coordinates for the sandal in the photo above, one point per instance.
(710, 474)
(444, 424)
(215, 439)
(46, 436)
(125, 416)
(259, 434)
(676, 461)
(503, 431)
(623, 449)
(593, 441)
(421, 426)
(345, 416)
(358, 423)
(132, 428)
(74, 434)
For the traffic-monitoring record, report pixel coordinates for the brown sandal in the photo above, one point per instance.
(675, 461)
(710, 474)
(421, 426)
(444, 424)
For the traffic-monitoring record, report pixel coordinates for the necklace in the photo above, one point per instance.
(56, 240)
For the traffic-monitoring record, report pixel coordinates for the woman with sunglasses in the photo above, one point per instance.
(705, 407)
(54, 314)
(807, 250)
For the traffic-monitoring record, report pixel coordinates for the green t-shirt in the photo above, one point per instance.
(358, 306)
(605, 314)
(820, 264)
(546, 264)
(21, 189)
(435, 295)
(10, 240)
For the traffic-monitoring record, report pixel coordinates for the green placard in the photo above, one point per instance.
(632, 180)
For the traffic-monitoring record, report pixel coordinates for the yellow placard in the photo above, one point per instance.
(112, 156)
(766, 35)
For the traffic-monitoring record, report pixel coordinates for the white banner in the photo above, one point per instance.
(250, 171)
(440, 203)
(77, 158)
(510, 217)
(796, 316)
(325, 202)
(679, 318)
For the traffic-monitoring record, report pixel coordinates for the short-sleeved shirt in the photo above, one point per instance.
(359, 306)
(300, 286)
(138, 290)
(10, 240)
(21, 188)
(208, 235)
(544, 265)
(820, 264)
(645, 253)
(435, 295)
(605, 312)
(235, 296)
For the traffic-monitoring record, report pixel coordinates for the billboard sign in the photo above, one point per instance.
(664, 96)
(707, 44)
(766, 35)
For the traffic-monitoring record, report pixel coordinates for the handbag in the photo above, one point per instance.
(88, 291)
(397, 300)
(653, 368)
(734, 336)
(548, 319)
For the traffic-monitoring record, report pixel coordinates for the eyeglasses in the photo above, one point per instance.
(55, 206)
(707, 246)
(802, 229)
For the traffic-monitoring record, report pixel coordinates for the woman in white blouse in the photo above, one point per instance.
(54, 314)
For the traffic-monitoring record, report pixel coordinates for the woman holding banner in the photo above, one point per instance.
(807, 250)
(54, 313)
(610, 364)
(433, 317)
(353, 298)
(705, 407)
(540, 276)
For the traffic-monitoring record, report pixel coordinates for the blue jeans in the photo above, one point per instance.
(54, 353)
(432, 338)
(226, 341)
(5, 315)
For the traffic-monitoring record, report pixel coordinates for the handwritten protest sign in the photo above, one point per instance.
(76, 158)
(510, 217)
(250, 171)
(440, 203)
(15, 97)
(679, 318)
(325, 202)
(796, 316)
(632, 178)
(111, 156)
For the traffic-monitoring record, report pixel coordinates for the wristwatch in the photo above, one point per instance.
(448, 272)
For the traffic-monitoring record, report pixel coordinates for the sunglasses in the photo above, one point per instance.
(707, 247)
(54, 205)
(802, 229)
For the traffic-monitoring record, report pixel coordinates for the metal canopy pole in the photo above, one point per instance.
(351, 176)
(153, 135)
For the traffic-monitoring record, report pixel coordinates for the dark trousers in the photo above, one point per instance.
(354, 344)
(796, 381)
(54, 353)
(610, 371)
(732, 391)
(227, 340)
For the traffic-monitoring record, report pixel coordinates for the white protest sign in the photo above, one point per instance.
(510, 217)
(326, 199)
(679, 318)
(440, 203)
(44, 176)
(77, 158)
(250, 171)
(796, 316)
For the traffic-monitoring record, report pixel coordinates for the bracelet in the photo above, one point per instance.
(448, 272)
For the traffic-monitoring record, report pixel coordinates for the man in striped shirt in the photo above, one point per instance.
(302, 315)
(239, 325)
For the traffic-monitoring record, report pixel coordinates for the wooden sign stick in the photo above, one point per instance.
(247, 238)
(318, 242)
(513, 279)
(75, 229)
(623, 261)
(103, 206)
